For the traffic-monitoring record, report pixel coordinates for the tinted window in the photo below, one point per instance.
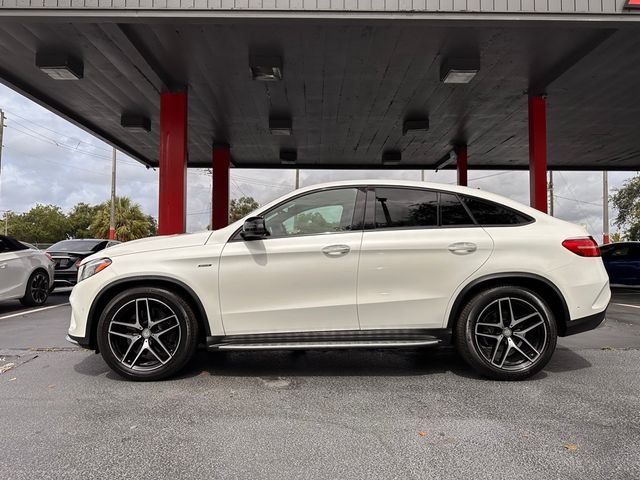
(489, 213)
(319, 212)
(4, 246)
(78, 246)
(8, 244)
(452, 212)
(617, 252)
(403, 207)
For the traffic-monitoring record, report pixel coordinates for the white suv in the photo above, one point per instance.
(346, 265)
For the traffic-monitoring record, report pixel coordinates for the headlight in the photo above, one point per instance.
(91, 268)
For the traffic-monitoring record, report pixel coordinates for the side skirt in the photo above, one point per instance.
(405, 338)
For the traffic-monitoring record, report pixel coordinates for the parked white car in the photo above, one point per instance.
(25, 273)
(347, 265)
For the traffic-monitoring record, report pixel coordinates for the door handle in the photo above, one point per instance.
(462, 248)
(336, 250)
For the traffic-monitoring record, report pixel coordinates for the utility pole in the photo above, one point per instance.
(1, 135)
(605, 207)
(6, 223)
(297, 178)
(551, 202)
(112, 220)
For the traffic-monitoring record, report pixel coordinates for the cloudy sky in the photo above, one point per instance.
(47, 160)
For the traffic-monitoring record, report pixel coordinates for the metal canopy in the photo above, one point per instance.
(348, 86)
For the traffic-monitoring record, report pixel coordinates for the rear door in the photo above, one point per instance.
(419, 245)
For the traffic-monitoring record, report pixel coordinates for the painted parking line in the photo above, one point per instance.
(36, 310)
(626, 305)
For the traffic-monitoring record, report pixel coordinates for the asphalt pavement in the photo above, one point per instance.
(343, 414)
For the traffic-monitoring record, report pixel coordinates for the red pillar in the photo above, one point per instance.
(538, 153)
(220, 200)
(461, 153)
(173, 163)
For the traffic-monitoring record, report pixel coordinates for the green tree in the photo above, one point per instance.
(41, 224)
(80, 219)
(626, 200)
(131, 222)
(241, 207)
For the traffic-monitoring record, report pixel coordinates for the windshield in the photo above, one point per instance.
(78, 246)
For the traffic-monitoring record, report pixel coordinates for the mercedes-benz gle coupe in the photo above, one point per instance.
(373, 264)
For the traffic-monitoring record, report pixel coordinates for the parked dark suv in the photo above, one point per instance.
(69, 253)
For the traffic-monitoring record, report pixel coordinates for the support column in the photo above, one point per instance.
(173, 163)
(461, 154)
(220, 199)
(538, 152)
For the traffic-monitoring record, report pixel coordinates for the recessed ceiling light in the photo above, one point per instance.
(280, 126)
(415, 126)
(136, 123)
(459, 70)
(288, 157)
(266, 69)
(391, 157)
(60, 66)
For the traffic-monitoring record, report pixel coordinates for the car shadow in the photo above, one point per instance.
(566, 360)
(336, 363)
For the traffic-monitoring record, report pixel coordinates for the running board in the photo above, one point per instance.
(325, 345)
(377, 338)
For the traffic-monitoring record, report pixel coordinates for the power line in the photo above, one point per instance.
(54, 131)
(44, 138)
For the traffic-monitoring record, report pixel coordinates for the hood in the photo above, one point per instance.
(152, 244)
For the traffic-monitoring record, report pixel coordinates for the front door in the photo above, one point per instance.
(303, 276)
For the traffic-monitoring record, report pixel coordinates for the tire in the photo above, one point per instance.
(37, 290)
(139, 351)
(512, 348)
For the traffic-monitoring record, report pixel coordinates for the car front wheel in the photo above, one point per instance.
(147, 333)
(506, 333)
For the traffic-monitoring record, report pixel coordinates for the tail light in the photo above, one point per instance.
(49, 257)
(585, 247)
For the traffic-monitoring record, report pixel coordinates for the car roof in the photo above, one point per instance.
(427, 185)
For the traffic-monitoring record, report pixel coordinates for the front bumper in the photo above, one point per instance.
(584, 324)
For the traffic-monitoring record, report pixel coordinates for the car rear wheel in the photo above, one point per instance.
(506, 333)
(147, 333)
(37, 290)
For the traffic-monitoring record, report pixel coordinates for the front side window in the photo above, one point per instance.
(405, 208)
(617, 252)
(328, 211)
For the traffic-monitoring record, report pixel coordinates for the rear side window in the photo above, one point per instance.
(4, 246)
(404, 208)
(489, 213)
(452, 212)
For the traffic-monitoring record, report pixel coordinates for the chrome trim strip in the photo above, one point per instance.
(323, 345)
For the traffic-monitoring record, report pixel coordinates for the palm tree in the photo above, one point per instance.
(131, 222)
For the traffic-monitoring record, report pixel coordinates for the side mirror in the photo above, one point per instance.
(254, 228)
